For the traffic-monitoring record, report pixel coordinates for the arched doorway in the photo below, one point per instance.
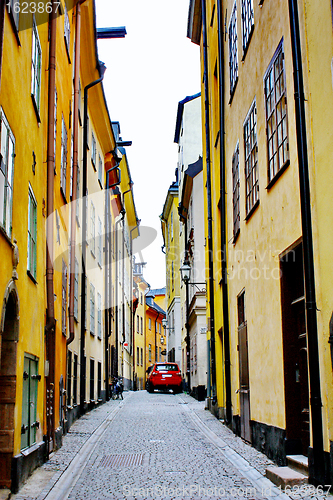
(9, 333)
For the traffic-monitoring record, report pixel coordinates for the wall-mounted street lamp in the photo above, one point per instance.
(185, 274)
(165, 325)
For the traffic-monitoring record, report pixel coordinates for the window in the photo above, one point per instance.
(75, 380)
(69, 378)
(76, 289)
(67, 30)
(149, 323)
(14, 8)
(137, 356)
(64, 298)
(276, 115)
(149, 351)
(247, 22)
(236, 192)
(141, 299)
(99, 315)
(92, 309)
(55, 126)
(251, 159)
(93, 150)
(100, 171)
(32, 234)
(29, 401)
(99, 242)
(141, 351)
(36, 68)
(92, 228)
(99, 379)
(137, 324)
(233, 53)
(92, 379)
(63, 170)
(171, 225)
(141, 320)
(7, 156)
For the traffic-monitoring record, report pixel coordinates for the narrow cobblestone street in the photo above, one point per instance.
(153, 446)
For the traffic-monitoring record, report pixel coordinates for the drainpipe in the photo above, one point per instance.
(317, 467)
(75, 164)
(50, 320)
(209, 206)
(123, 212)
(224, 281)
(132, 308)
(102, 69)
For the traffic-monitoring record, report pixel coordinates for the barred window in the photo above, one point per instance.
(233, 53)
(247, 22)
(236, 192)
(276, 115)
(251, 159)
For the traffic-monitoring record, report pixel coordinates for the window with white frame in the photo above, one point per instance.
(76, 289)
(6, 174)
(93, 150)
(99, 242)
(64, 298)
(32, 234)
(100, 171)
(233, 52)
(67, 30)
(63, 168)
(14, 7)
(92, 229)
(99, 315)
(247, 22)
(92, 309)
(36, 66)
(55, 125)
(236, 192)
(251, 159)
(276, 114)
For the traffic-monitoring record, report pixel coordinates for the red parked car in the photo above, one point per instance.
(164, 376)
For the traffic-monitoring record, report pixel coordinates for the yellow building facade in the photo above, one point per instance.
(269, 342)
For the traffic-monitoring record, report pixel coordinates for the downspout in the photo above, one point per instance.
(209, 206)
(132, 308)
(123, 212)
(224, 281)
(84, 234)
(50, 320)
(75, 164)
(108, 269)
(123, 272)
(317, 471)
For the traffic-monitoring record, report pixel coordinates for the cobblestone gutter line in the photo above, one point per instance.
(79, 434)
(248, 456)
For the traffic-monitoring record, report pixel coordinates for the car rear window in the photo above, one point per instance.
(169, 368)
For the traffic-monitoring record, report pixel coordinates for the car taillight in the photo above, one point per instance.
(179, 373)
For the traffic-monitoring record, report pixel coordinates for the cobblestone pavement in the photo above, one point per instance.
(154, 446)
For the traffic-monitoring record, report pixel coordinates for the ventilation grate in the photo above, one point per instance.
(122, 460)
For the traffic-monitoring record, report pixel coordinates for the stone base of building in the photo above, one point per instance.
(327, 467)
(72, 415)
(199, 392)
(25, 463)
(269, 440)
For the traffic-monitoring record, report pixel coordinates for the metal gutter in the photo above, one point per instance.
(211, 327)
(224, 281)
